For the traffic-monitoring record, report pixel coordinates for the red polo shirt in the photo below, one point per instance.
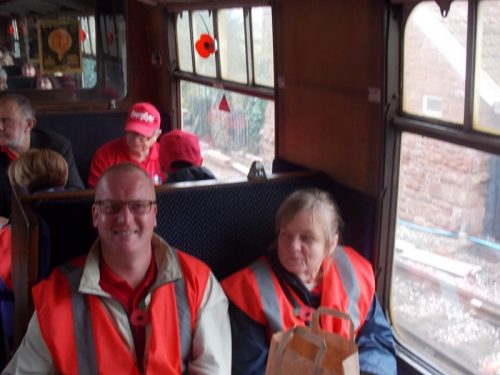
(131, 300)
(115, 152)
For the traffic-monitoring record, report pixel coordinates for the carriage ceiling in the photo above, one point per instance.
(18, 8)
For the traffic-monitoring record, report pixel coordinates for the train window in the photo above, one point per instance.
(226, 82)
(14, 31)
(445, 289)
(52, 48)
(262, 46)
(423, 75)
(233, 66)
(487, 80)
(202, 22)
(184, 43)
(446, 285)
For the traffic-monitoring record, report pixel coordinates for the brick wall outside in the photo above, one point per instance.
(443, 185)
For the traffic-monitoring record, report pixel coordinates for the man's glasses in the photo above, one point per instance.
(136, 207)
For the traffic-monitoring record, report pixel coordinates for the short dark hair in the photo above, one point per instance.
(124, 167)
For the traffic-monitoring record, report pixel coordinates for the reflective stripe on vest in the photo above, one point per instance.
(351, 285)
(183, 316)
(269, 295)
(82, 322)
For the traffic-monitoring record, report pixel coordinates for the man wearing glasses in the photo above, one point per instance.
(133, 305)
(137, 146)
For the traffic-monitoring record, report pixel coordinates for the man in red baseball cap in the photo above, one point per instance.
(137, 146)
(180, 157)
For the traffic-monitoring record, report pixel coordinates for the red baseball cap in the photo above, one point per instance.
(178, 145)
(143, 118)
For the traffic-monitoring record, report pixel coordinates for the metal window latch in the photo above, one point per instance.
(444, 6)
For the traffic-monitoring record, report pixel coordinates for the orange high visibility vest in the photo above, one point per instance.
(348, 286)
(81, 335)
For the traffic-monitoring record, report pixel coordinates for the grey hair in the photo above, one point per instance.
(22, 102)
(315, 200)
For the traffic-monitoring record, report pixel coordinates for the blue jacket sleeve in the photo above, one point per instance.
(377, 352)
(250, 345)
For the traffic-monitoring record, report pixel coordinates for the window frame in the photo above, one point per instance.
(463, 134)
(395, 123)
(251, 88)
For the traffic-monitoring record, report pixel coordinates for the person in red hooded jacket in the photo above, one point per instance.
(180, 157)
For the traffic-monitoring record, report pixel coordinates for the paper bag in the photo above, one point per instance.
(304, 350)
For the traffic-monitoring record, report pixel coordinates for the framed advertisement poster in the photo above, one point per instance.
(59, 46)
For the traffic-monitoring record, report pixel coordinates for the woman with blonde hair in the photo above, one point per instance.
(39, 170)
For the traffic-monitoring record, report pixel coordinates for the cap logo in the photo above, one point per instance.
(142, 116)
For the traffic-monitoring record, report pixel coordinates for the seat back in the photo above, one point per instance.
(99, 127)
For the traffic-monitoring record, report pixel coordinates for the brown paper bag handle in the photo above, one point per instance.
(318, 341)
(338, 314)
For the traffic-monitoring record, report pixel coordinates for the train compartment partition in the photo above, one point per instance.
(227, 224)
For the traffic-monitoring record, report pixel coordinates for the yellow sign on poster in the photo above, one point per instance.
(59, 46)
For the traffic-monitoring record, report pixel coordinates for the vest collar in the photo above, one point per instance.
(168, 268)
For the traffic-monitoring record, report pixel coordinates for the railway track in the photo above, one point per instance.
(477, 305)
(471, 303)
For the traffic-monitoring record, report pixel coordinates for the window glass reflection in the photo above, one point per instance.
(262, 29)
(234, 129)
(446, 285)
(434, 62)
(203, 24)
(232, 45)
(184, 42)
(487, 78)
(53, 46)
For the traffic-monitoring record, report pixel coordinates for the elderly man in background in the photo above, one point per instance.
(18, 134)
(137, 146)
(134, 305)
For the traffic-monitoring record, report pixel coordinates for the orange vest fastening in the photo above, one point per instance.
(81, 335)
(348, 286)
